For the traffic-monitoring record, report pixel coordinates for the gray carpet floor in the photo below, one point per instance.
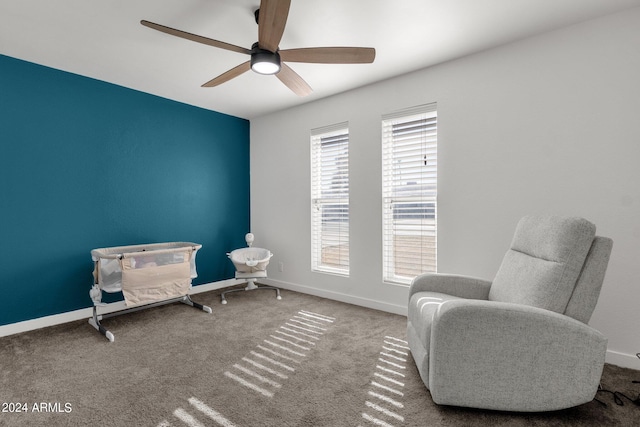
(257, 361)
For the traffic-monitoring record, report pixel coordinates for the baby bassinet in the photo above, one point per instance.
(251, 264)
(147, 275)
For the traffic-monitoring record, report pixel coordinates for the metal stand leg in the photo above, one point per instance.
(95, 322)
(187, 300)
(251, 285)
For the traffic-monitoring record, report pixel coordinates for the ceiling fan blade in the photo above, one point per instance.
(330, 55)
(195, 38)
(228, 75)
(272, 19)
(293, 81)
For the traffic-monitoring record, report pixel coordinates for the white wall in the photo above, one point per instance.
(550, 124)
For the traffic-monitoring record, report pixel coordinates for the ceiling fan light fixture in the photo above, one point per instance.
(264, 61)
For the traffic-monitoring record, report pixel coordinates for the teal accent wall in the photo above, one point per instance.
(85, 164)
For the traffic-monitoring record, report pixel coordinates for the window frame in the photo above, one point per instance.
(419, 201)
(329, 196)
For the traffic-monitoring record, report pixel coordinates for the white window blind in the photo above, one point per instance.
(330, 199)
(409, 156)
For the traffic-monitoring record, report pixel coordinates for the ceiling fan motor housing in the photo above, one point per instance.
(264, 61)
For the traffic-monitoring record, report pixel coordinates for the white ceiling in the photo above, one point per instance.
(104, 40)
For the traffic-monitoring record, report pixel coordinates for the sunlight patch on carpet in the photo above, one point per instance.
(265, 369)
(192, 421)
(386, 392)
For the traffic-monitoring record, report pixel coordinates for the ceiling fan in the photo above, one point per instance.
(266, 56)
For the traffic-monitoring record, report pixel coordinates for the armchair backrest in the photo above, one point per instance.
(585, 294)
(555, 263)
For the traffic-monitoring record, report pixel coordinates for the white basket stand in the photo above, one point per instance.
(251, 265)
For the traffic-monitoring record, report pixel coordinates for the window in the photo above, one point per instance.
(409, 187)
(330, 199)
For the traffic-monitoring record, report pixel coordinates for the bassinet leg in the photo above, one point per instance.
(187, 300)
(95, 322)
(251, 285)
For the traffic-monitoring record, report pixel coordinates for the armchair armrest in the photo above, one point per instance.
(515, 355)
(451, 284)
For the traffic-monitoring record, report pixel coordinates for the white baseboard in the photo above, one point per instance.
(86, 313)
(43, 322)
(213, 286)
(337, 296)
(625, 360)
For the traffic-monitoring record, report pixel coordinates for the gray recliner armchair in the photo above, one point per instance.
(520, 342)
